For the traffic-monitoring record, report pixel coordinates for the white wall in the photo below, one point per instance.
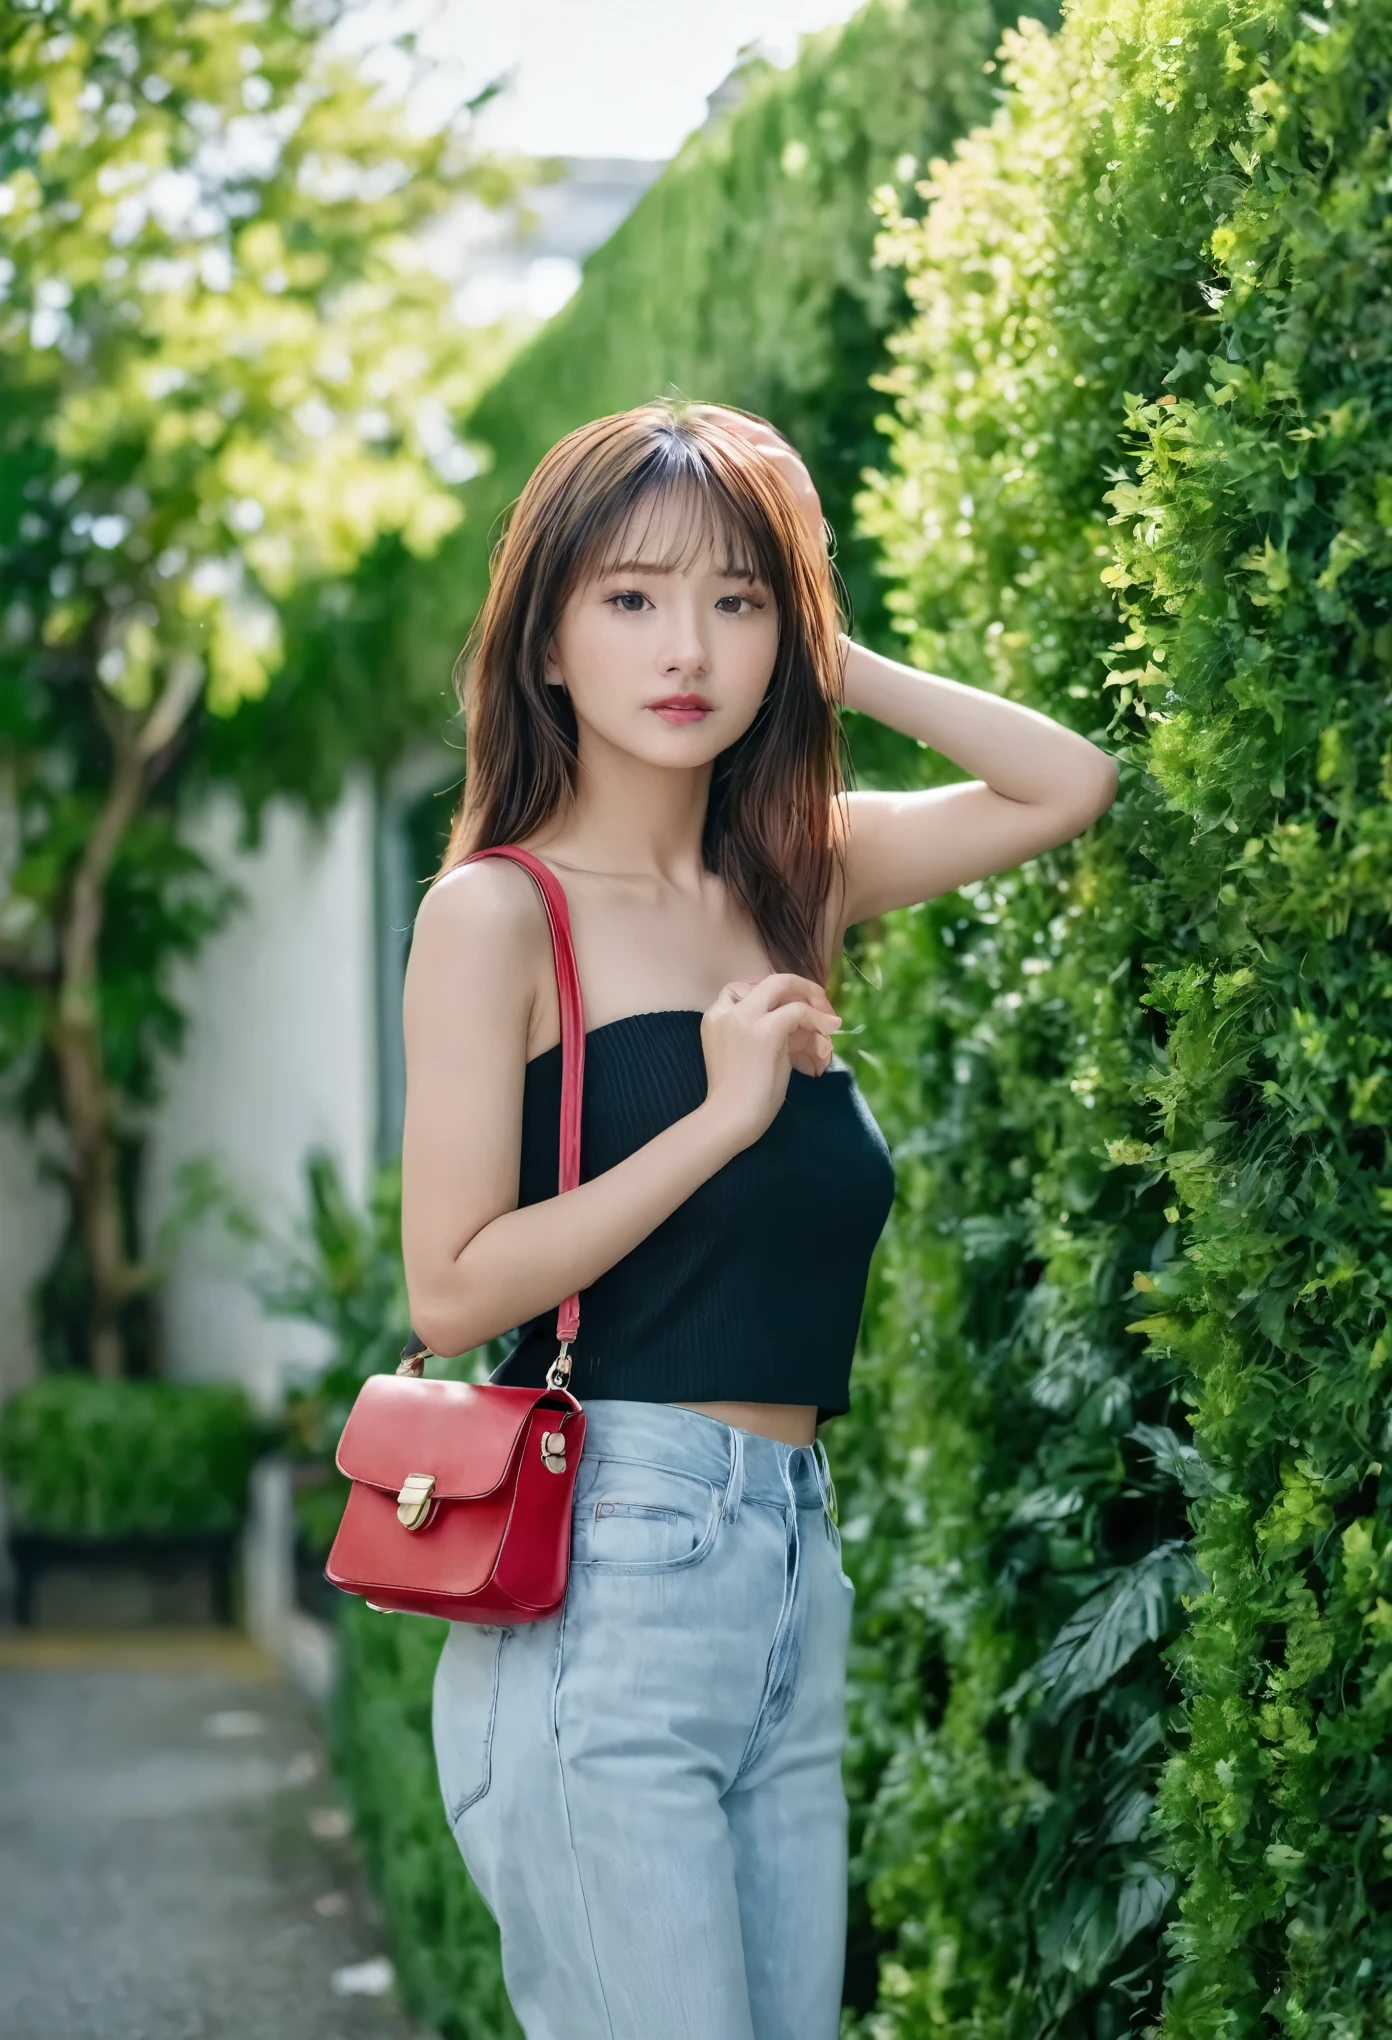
(280, 1056)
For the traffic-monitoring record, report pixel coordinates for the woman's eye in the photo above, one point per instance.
(628, 600)
(734, 605)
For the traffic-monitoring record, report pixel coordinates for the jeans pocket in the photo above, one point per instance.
(634, 1518)
(464, 1708)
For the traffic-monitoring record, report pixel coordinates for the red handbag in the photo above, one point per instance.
(461, 1492)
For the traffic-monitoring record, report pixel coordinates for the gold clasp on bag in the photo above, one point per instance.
(413, 1503)
(553, 1451)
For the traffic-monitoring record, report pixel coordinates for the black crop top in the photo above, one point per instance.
(752, 1290)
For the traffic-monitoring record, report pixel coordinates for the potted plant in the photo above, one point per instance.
(147, 1474)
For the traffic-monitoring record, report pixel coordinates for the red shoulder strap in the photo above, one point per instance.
(572, 1047)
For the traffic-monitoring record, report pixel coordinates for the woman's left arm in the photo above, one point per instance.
(1036, 784)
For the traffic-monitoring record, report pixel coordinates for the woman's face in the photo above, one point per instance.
(668, 662)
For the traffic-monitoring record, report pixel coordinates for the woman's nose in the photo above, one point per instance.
(686, 650)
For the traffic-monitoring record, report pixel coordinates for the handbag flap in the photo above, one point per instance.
(462, 1432)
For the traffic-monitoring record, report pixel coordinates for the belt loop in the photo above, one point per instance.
(785, 1467)
(825, 1484)
(734, 1486)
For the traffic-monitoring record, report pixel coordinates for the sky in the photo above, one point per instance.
(587, 77)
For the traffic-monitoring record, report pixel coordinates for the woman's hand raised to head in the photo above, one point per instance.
(752, 1037)
(789, 462)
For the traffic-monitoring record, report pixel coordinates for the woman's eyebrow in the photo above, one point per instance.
(728, 572)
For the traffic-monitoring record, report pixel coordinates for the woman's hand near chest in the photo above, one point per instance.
(752, 1037)
(479, 988)
(642, 943)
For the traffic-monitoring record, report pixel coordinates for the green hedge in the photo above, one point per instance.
(107, 1458)
(1136, 1285)
(1255, 573)
(1014, 1464)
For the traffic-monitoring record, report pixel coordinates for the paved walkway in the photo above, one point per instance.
(173, 1862)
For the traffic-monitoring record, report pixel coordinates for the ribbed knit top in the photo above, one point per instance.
(752, 1290)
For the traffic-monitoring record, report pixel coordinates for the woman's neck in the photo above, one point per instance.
(631, 818)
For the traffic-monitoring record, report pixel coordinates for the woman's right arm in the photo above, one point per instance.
(476, 1265)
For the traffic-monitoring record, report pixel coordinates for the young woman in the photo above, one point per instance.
(646, 1788)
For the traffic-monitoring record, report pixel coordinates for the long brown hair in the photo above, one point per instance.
(771, 821)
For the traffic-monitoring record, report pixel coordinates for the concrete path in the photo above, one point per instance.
(174, 1864)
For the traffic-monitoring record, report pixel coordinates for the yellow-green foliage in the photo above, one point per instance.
(220, 365)
(1136, 1282)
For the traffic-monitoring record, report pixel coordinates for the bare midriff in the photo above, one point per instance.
(791, 1423)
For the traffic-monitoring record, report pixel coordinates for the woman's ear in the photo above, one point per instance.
(554, 675)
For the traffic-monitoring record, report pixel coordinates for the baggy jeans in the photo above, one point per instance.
(646, 1787)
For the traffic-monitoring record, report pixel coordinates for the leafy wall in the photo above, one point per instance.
(1136, 1282)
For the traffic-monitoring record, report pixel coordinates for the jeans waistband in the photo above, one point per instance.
(744, 1464)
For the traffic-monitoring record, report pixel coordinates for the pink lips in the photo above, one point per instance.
(681, 708)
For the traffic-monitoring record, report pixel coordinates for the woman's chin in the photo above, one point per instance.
(676, 747)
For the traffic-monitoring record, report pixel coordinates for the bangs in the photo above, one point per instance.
(671, 512)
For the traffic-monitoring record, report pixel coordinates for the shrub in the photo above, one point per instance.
(343, 1273)
(1134, 1281)
(105, 1459)
(1014, 1463)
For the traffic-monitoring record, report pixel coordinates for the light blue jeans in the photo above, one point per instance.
(646, 1787)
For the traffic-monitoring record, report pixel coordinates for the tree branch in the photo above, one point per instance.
(166, 718)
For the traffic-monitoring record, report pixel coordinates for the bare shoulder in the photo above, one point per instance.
(486, 910)
(480, 926)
